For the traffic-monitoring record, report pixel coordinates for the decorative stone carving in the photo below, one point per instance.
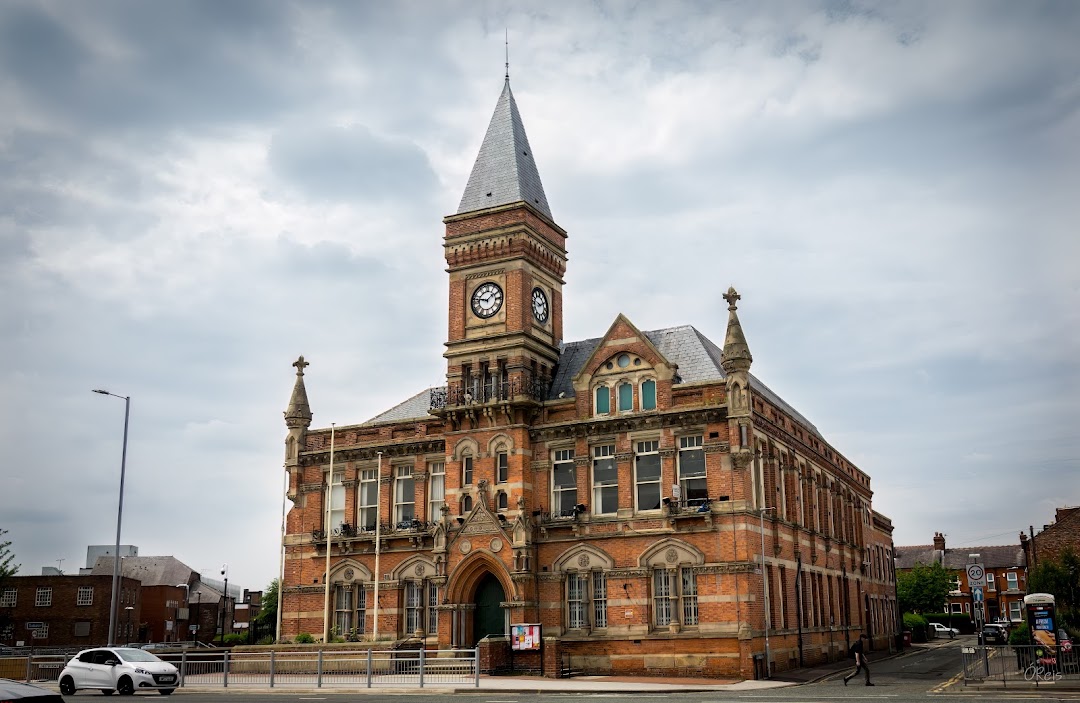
(496, 545)
(671, 556)
(465, 546)
(419, 570)
(348, 574)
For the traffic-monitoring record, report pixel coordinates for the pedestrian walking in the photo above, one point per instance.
(856, 651)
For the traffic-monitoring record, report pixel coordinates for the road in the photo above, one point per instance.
(919, 676)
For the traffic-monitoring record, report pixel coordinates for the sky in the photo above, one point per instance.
(193, 194)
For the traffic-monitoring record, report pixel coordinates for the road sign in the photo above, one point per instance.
(977, 594)
(976, 575)
(34, 625)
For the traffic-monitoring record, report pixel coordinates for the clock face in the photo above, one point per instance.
(487, 299)
(539, 305)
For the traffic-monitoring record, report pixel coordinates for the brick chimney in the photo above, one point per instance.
(939, 541)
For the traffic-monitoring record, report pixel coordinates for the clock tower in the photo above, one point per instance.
(506, 258)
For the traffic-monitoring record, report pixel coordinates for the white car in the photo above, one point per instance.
(122, 669)
(938, 629)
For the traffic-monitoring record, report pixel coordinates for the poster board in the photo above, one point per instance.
(525, 638)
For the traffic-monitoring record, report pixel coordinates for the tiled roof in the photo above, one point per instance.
(151, 571)
(505, 171)
(991, 557)
(415, 408)
(697, 357)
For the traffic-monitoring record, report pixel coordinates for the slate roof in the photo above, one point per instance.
(992, 557)
(504, 171)
(697, 357)
(151, 571)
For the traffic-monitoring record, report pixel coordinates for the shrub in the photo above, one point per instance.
(305, 638)
(918, 626)
(1020, 635)
(267, 639)
(234, 638)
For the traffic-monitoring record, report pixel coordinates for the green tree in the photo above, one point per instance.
(267, 617)
(924, 589)
(1059, 577)
(8, 567)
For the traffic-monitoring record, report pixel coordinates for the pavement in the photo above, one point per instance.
(621, 684)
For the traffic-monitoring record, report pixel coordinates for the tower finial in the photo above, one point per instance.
(731, 296)
(507, 40)
(300, 364)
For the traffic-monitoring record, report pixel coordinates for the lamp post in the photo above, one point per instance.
(765, 589)
(224, 599)
(113, 607)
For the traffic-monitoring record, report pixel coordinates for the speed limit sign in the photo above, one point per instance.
(975, 575)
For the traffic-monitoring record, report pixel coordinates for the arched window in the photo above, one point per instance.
(502, 501)
(648, 395)
(466, 469)
(466, 505)
(626, 397)
(603, 400)
(502, 465)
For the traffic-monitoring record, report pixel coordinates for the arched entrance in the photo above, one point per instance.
(488, 618)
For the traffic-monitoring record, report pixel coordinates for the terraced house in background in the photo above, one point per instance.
(623, 492)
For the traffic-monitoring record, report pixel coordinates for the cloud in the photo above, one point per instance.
(192, 195)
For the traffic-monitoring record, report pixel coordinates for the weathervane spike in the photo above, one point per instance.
(507, 40)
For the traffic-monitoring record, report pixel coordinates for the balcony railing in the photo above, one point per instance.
(532, 387)
(689, 506)
(346, 531)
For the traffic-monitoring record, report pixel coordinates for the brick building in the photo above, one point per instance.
(1006, 577)
(1047, 544)
(612, 490)
(164, 582)
(66, 611)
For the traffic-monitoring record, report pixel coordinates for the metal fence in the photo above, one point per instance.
(1019, 665)
(307, 669)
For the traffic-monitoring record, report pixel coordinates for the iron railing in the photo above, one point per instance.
(533, 387)
(1019, 664)
(386, 528)
(319, 668)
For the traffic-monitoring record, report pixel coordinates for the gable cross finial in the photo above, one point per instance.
(731, 296)
(300, 364)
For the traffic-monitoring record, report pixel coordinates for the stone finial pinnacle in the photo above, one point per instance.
(298, 414)
(736, 354)
(731, 296)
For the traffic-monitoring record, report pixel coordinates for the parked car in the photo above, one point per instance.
(940, 630)
(121, 669)
(995, 633)
(15, 691)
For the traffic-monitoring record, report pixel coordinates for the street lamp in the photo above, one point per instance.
(765, 588)
(224, 599)
(119, 515)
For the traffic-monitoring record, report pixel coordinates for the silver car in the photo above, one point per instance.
(121, 669)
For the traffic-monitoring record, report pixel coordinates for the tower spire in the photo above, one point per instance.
(505, 172)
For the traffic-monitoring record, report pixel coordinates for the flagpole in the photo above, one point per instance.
(281, 562)
(378, 546)
(329, 533)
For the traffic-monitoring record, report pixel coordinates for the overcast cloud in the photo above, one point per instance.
(192, 194)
